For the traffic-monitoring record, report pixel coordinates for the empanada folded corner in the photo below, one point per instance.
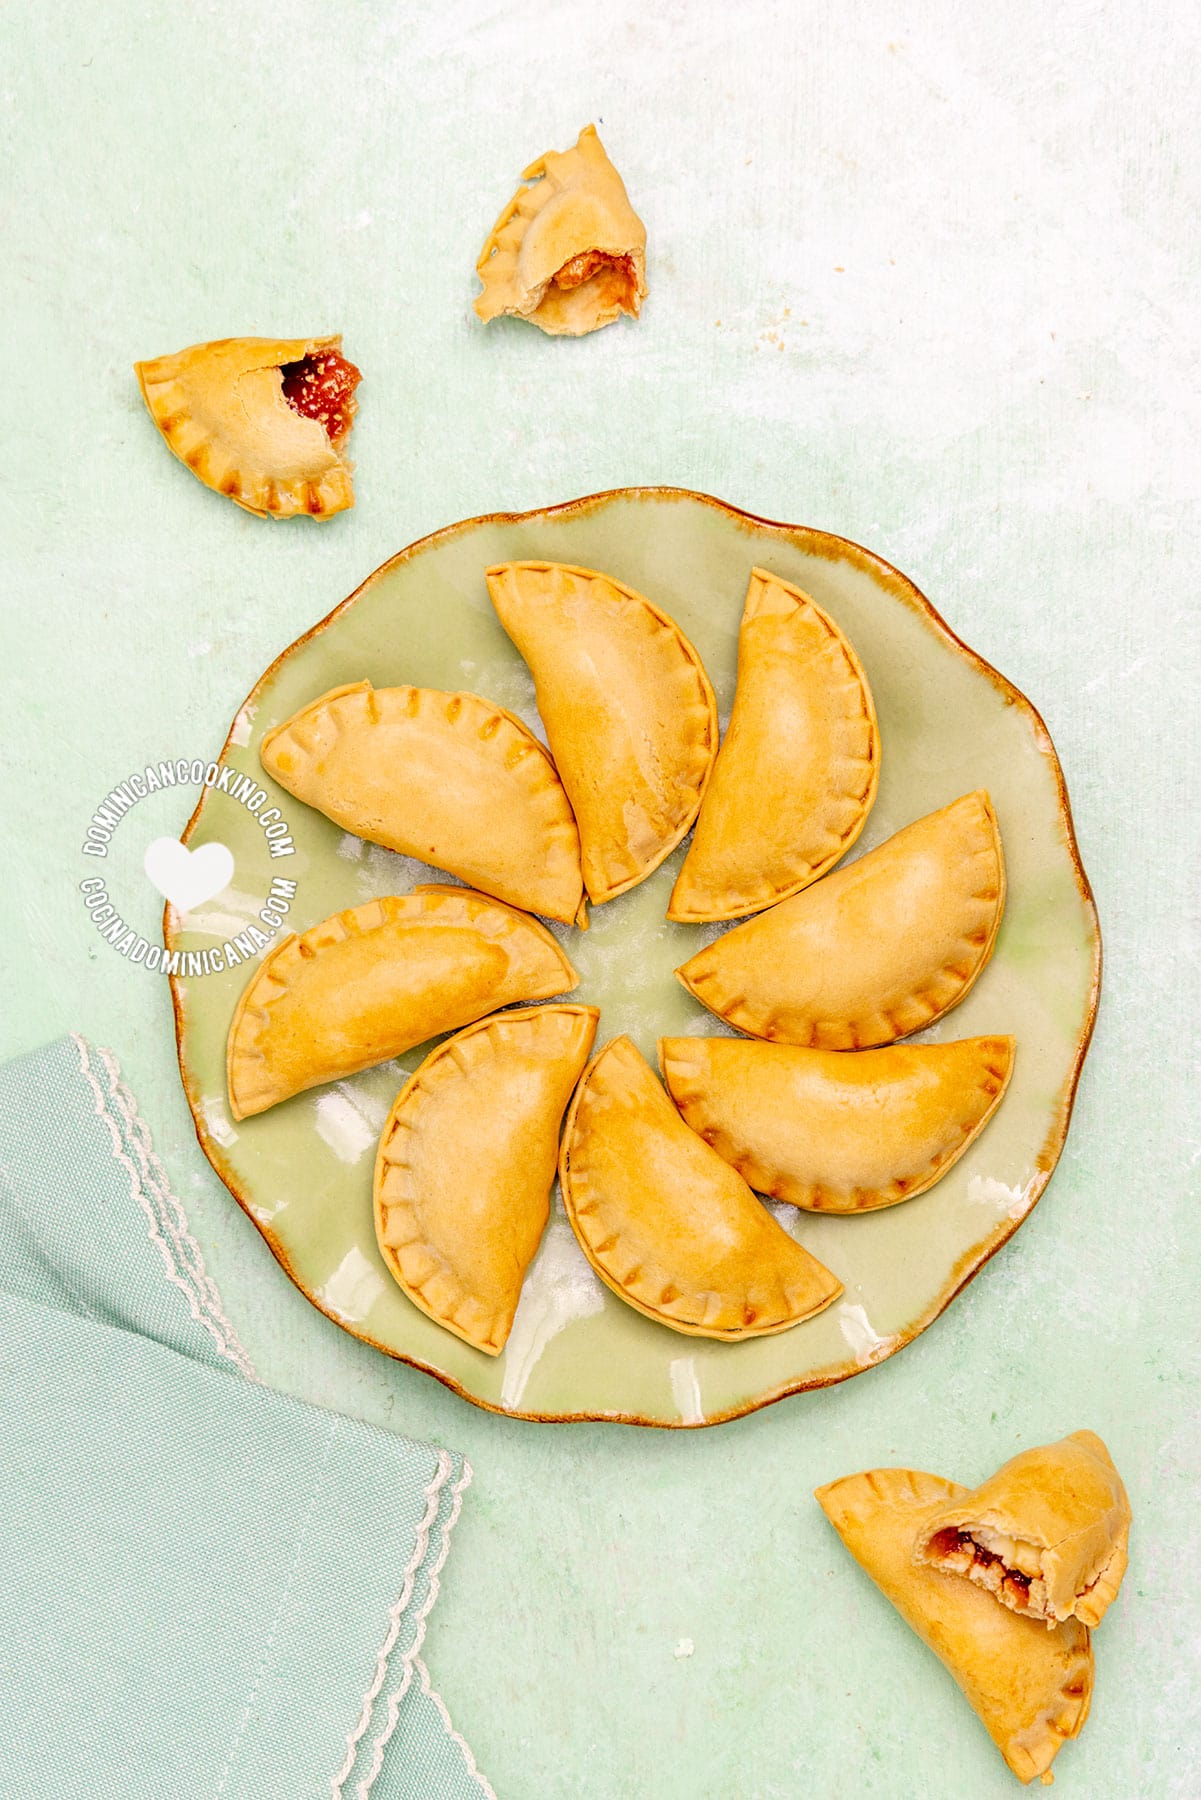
(1047, 1535)
(568, 252)
(1031, 1688)
(369, 983)
(449, 778)
(263, 421)
(466, 1162)
(666, 1224)
(797, 771)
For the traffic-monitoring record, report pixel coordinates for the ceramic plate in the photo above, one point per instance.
(948, 723)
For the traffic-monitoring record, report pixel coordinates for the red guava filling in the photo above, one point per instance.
(582, 268)
(321, 387)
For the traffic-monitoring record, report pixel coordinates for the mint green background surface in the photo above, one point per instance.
(925, 276)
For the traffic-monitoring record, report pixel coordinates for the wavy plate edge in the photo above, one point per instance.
(831, 547)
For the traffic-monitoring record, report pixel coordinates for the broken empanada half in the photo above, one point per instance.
(1046, 1535)
(629, 713)
(832, 1130)
(666, 1223)
(367, 984)
(262, 420)
(1030, 1687)
(449, 778)
(467, 1161)
(878, 949)
(796, 773)
(569, 252)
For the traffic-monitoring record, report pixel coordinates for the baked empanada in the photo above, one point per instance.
(1046, 1535)
(262, 420)
(367, 984)
(449, 778)
(1030, 1687)
(832, 1130)
(876, 950)
(568, 253)
(467, 1161)
(628, 710)
(666, 1223)
(796, 773)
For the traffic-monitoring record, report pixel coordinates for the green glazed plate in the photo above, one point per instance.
(948, 723)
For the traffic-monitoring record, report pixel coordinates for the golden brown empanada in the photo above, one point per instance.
(832, 1130)
(568, 253)
(666, 1223)
(467, 1161)
(367, 984)
(263, 420)
(796, 773)
(628, 710)
(878, 949)
(1030, 1687)
(1046, 1535)
(449, 778)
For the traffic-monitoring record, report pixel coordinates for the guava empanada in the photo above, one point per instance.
(666, 1223)
(878, 949)
(367, 984)
(262, 420)
(796, 773)
(832, 1130)
(467, 1161)
(629, 713)
(568, 253)
(1046, 1535)
(449, 778)
(1031, 1687)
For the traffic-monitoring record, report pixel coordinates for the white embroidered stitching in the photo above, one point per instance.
(394, 1699)
(190, 1258)
(432, 1499)
(456, 1737)
(318, 1484)
(182, 1277)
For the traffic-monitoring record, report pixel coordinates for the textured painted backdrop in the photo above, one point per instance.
(925, 275)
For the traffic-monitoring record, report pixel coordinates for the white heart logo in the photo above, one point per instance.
(188, 878)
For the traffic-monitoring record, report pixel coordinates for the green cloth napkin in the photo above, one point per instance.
(208, 1591)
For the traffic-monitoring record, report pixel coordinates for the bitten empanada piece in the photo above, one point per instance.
(1046, 1535)
(568, 253)
(629, 713)
(666, 1223)
(449, 778)
(835, 1130)
(466, 1163)
(261, 420)
(796, 773)
(1030, 1687)
(876, 950)
(367, 984)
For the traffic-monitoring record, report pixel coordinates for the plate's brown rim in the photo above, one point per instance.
(834, 548)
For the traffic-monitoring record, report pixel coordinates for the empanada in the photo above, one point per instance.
(449, 778)
(629, 713)
(1046, 1535)
(1030, 1687)
(568, 253)
(832, 1130)
(878, 949)
(666, 1223)
(367, 984)
(796, 773)
(467, 1161)
(263, 420)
